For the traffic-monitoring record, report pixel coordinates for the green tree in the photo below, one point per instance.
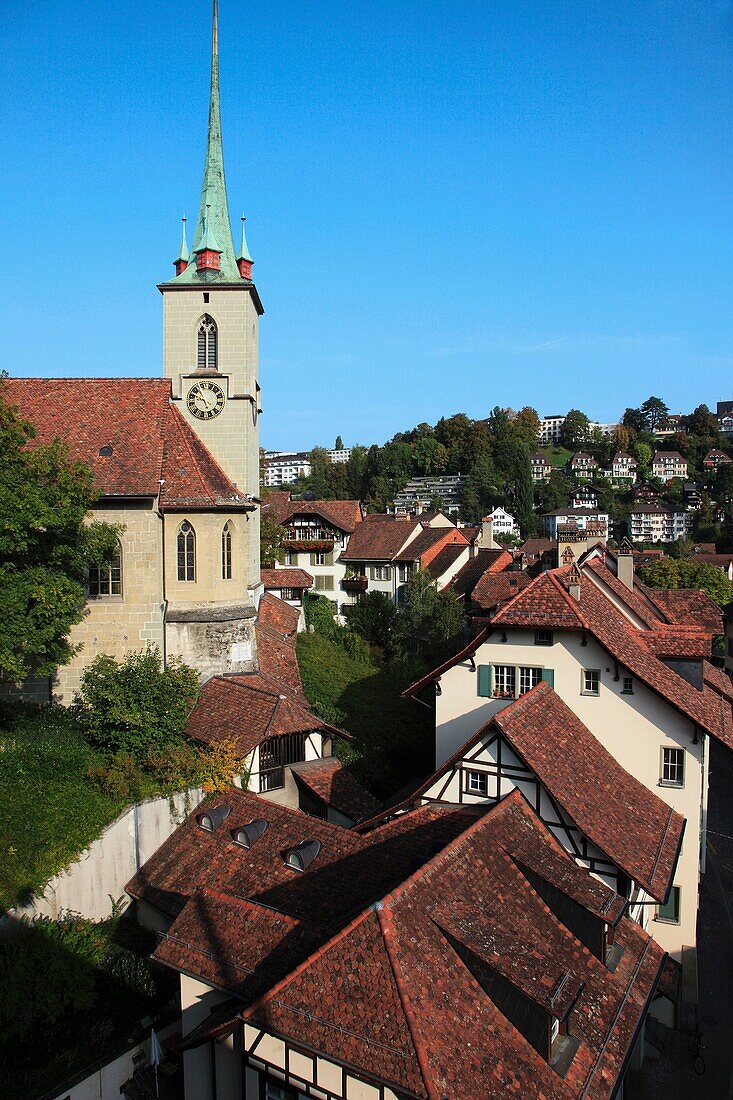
(575, 430)
(339, 444)
(273, 537)
(46, 548)
(633, 419)
(643, 453)
(654, 411)
(426, 618)
(529, 422)
(372, 617)
(136, 706)
(671, 573)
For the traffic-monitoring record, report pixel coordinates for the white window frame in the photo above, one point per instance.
(672, 768)
(584, 688)
(504, 681)
(529, 677)
(482, 783)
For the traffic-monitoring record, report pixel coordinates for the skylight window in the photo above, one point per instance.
(302, 855)
(212, 819)
(248, 834)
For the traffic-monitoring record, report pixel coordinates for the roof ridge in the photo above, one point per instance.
(386, 926)
(180, 423)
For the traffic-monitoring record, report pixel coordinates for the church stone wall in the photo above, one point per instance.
(118, 625)
(213, 642)
(209, 588)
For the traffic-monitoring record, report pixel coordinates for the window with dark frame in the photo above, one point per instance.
(673, 767)
(275, 755)
(186, 551)
(543, 637)
(106, 579)
(669, 913)
(207, 340)
(288, 594)
(226, 553)
(627, 687)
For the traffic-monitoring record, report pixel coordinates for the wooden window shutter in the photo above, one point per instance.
(329, 559)
(313, 560)
(548, 674)
(484, 681)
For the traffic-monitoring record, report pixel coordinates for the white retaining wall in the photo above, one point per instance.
(105, 866)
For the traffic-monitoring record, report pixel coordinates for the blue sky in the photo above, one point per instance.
(451, 205)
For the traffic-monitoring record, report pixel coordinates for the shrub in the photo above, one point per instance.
(177, 766)
(121, 778)
(219, 764)
(135, 706)
(373, 617)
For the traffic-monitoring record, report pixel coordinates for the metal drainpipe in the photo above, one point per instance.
(161, 517)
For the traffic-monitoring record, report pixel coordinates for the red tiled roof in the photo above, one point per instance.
(396, 992)
(379, 538)
(617, 813)
(544, 604)
(468, 575)
(343, 514)
(444, 559)
(493, 589)
(336, 786)
(687, 607)
(277, 614)
(429, 542)
(463, 655)
(286, 578)
(246, 710)
(153, 448)
(350, 872)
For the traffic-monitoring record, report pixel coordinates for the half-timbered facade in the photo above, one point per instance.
(631, 665)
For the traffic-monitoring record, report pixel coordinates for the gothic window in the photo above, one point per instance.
(207, 344)
(106, 579)
(226, 553)
(186, 547)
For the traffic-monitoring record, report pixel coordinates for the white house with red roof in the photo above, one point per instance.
(633, 666)
(667, 465)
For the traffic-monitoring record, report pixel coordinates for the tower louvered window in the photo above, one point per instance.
(186, 547)
(226, 553)
(207, 344)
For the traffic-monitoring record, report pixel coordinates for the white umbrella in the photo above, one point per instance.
(156, 1055)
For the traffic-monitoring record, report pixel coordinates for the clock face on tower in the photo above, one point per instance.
(205, 400)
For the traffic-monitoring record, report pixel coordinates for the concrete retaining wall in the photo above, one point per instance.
(105, 866)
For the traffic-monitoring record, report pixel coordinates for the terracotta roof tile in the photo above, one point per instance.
(153, 448)
(494, 589)
(468, 575)
(396, 992)
(350, 872)
(336, 786)
(444, 559)
(379, 538)
(278, 614)
(286, 578)
(343, 514)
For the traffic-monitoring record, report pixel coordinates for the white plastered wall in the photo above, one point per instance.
(633, 728)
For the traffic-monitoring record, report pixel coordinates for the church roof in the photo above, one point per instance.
(136, 442)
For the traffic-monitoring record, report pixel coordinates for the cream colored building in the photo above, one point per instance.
(653, 713)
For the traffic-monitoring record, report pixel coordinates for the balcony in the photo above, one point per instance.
(355, 584)
(324, 546)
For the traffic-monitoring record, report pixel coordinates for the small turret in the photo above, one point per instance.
(208, 253)
(244, 260)
(183, 256)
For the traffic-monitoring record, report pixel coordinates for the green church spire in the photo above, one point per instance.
(243, 253)
(183, 254)
(213, 228)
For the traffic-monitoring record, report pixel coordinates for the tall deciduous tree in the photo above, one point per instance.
(46, 548)
(575, 429)
(426, 617)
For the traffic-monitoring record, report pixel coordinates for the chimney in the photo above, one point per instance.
(574, 586)
(487, 534)
(625, 565)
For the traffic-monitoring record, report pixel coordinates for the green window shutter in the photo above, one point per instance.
(313, 559)
(484, 681)
(329, 559)
(548, 674)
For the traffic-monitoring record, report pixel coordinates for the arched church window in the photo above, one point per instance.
(207, 345)
(106, 579)
(226, 552)
(186, 552)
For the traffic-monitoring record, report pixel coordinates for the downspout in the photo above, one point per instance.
(164, 604)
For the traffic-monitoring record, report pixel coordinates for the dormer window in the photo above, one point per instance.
(212, 819)
(302, 855)
(248, 834)
(207, 344)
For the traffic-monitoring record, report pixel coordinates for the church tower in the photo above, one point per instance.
(211, 312)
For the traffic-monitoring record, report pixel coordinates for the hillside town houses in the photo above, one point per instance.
(519, 917)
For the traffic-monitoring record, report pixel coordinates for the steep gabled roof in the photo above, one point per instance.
(444, 559)
(543, 605)
(335, 785)
(396, 992)
(342, 514)
(286, 578)
(153, 449)
(379, 538)
(493, 589)
(468, 575)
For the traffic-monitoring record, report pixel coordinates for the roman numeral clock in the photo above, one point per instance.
(205, 400)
